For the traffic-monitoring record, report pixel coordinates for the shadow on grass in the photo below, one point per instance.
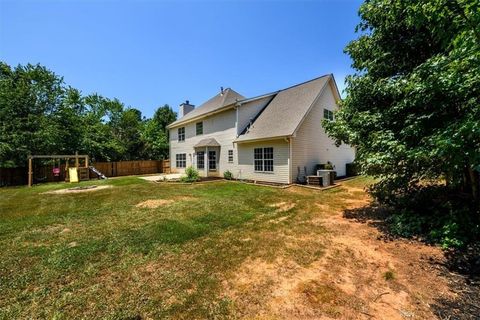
(373, 215)
(461, 267)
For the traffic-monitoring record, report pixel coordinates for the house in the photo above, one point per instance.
(276, 137)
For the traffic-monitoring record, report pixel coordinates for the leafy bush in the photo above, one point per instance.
(436, 213)
(191, 175)
(228, 175)
(328, 166)
(323, 166)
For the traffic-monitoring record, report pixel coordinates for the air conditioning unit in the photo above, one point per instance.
(327, 177)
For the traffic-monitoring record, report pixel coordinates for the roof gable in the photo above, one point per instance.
(217, 102)
(286, 111)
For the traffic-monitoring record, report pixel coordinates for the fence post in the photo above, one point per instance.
(30, 173)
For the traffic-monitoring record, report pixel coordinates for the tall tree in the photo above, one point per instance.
(163, 116)
(155, 133)
(413, 106)
(29, 95)
(127, 130)
(98, 139)
(39, 114)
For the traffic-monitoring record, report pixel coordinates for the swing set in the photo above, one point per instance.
(73, 174)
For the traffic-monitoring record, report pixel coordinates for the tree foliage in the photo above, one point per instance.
(412, 111)
(155, 133)
(413, 105)
(40, 114)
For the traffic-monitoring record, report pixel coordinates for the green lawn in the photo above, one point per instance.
(97, 254)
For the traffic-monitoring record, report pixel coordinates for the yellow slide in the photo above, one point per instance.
(73, 174)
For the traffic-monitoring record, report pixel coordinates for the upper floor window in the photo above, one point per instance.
(327, 114)
(181, 134)
(199, 128)
(181, 160)
(263, 159)
(230, 156)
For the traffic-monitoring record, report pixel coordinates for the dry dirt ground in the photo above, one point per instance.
(359, 276)
(222, 250)
(78, 190)
(156, 203)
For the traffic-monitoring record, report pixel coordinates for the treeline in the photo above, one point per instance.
(412, 111)
(40, 114)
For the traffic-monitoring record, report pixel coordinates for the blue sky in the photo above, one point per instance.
(148, 53)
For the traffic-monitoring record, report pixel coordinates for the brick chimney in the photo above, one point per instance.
(185, 108)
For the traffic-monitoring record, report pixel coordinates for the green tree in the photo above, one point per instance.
(67, 123)
(39, 114)
(163, 116)
(127, 130)
(413, 105)
(98, 122)
(155, 133)
(29, 97)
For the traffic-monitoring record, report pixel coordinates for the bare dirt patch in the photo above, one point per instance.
(152, 204)
(72, 244)
(283, 206)
(359, 276)
(278, 220)
(156, 203)
(65, 230)
(394, 279)
(78, 190)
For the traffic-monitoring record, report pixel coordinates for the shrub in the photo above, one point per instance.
(324, 166)
(191, 175)
(228, 175)
(351, 169)
(437, 214)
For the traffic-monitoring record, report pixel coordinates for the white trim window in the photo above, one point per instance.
(212, 160)
(181, 160)
(328, 114)
(181, 134)
(263, 159)
(230, 156)
(201, 160)
(199, 128)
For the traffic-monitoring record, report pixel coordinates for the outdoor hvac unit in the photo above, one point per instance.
(327, 177)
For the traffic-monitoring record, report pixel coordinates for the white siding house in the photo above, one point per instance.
(311, 145)
(277, 137)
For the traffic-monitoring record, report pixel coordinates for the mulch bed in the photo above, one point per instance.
(178, 181)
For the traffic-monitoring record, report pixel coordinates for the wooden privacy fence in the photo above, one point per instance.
(128, 168)
(43, 173)
(166, 166)
(13, 176)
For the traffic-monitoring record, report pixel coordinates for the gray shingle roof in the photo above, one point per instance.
(219, 101)
(208, 142)
(284, 113)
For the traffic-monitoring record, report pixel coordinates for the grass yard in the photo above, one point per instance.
(141, 250)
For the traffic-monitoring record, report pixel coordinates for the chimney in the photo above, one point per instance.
(221, 91)
(185, 108)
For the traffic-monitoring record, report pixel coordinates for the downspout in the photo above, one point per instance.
(207, 162)
(290, 160)
(237, 105)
